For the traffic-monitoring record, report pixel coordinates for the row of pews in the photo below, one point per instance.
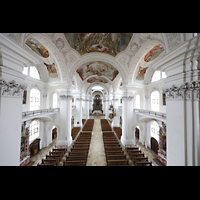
(88, 126)
(118, 131)
(105, 125)
(114, 153)
(79, 151)
(138, 158)
(54, 157)
(75, 131)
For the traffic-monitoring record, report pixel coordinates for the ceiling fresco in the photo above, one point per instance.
(97, 68)
(97, 79)
(154, 53)
(110, 43)
(52, 70)
(37, 47)
(141, 73)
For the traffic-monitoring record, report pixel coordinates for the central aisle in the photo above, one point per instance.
(96, 155)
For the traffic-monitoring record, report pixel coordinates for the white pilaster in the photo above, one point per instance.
(64, 136)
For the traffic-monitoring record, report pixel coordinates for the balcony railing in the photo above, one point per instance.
(40, 112)
(151, 113)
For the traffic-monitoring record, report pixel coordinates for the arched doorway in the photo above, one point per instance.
(154, 145)
(137, 132)
(54, 132)
(154, 136)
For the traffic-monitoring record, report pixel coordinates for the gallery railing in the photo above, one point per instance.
(39, 112)
(151, 113)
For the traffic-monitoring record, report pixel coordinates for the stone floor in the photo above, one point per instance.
(96, 154)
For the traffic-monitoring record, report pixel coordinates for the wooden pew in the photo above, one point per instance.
(78, 153)
(143, 163)
(61, 153)
(112, 145)
(139, 159)
(74, 163)
(118, 152)
(115, 157)
(45, 165)
(50, 161)
(117, 162)
(136, 155)
(112, 148)
(59, 157)
(60, 149)
(70, 157)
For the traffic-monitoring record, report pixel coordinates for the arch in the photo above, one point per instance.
(135, 61)
(95, 84)
(93, 57)
(55, 54)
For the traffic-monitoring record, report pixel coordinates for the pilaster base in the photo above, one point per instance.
(128, 142)
(64, 142)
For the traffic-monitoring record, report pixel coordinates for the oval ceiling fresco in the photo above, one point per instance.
(98, 68)
(154, 53)
(37, 47)
(110, 43)
(97, 79)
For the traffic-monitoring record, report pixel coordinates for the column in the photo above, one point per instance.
(64, 136)
(116, 120)
(11, 94)
(128, 135)
(78, 119)
(182, 114)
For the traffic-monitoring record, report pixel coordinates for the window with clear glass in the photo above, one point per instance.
(34, 99)
(155, 101)
(155, 130)
(25, 71)
(137, 99)
(164, 75)
(34, 130)
(55, 100)
(156, 76)
(34, 72)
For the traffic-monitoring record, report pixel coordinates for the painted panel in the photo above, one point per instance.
(110, 43)
(97, 68)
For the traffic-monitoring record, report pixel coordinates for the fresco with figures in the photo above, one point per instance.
(110, 43)
(52, 70)
(141, 73)
(97, 68)
(37, 47)
(97, 79)
(154, 53)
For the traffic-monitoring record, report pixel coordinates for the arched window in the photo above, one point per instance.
(34, 130)
(155, 130)
(137, 99)
(158, 75)
(34, 72)
(34, 99)
(155, 101)
(55, 100)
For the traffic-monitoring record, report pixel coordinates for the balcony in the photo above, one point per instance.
(39, 113)
(151, 114)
